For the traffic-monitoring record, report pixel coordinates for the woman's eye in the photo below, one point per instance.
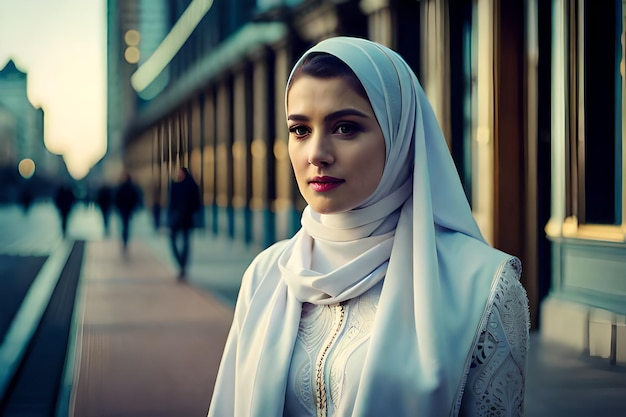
(298, 131)
(347, 129)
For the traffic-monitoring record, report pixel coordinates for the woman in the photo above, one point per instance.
(388, 301)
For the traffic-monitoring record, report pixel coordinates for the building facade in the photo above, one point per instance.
(587, 230)
(532, 113)
(23, 154)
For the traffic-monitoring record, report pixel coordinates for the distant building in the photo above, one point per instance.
(8, 128)
(135, 28)
(21, 132)
(24, 121)
(531, 96)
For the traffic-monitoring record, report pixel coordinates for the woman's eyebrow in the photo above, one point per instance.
(345, 112)
(331, 116)
(297, 117)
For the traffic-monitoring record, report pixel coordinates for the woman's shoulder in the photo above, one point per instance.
(264, 265)
(268, 256)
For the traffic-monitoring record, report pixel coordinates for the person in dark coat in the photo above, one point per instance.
(127, 201)
(64, 200)
(26, 198)
(104, 199)
(183, 204)
(156, 208)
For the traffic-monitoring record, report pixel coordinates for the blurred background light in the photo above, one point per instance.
(132, 54)
(132, 37)
(26, 168)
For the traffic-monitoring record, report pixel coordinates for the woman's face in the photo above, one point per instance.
(336, 146)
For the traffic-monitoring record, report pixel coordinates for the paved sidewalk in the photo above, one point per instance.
(563, 383)
(148, 345)
(216, 265)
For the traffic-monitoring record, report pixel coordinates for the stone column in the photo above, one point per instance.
(242, 139)
(224, 156)
(381, 26)
(261, 148)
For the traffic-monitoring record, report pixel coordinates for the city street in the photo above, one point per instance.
(35, 232)
(126, 339)
(40, 272)
(80, 316)
(501, 121)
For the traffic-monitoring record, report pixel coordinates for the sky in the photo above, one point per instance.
(61, 45)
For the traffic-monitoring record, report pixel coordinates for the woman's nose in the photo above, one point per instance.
(320, 151)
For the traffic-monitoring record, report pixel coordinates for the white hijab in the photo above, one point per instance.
(416, 231)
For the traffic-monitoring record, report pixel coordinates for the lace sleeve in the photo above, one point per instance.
(496, 380)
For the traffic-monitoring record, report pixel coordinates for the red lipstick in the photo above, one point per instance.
(324, 184)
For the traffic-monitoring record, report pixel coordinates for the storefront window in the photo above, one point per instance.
(599, 153)
(463, 52)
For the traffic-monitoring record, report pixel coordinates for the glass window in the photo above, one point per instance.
(463, 59)
(599, 153)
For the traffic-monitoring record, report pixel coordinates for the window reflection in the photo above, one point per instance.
(599, 147)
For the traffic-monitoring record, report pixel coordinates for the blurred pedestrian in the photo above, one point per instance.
(184, 203)
(104, 199)
(26, 198)
(156, 208)
(64, 200)
(127, 201)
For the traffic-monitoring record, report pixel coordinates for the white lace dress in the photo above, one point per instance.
(332, 343)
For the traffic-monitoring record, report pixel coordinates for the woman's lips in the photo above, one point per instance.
(323, 184)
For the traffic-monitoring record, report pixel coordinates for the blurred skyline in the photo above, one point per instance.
(61, 45)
